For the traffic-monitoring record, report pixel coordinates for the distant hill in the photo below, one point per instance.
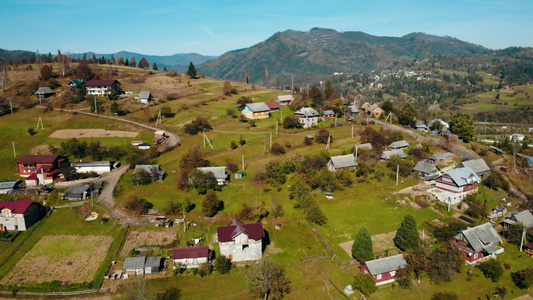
(15, 54)
(179, 62)
(325, 51)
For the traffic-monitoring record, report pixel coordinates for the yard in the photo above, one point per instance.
(61, 257)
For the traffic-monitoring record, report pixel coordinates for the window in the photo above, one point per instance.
(393, 273)
(475, 256)
(245, 246)
(378, 277)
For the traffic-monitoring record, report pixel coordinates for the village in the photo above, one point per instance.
(184, 201)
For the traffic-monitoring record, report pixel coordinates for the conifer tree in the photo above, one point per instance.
(407, 235)
(191, 71)
(362, 246)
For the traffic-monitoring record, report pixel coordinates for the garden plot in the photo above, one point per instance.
(66, 258)
(91, 133)
(159, 237)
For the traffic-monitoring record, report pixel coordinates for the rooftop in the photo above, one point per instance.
(235, 227)
(386, 264)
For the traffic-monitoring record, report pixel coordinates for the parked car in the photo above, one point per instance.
(329, 195)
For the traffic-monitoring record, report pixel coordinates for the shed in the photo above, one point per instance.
(152, 265)
(383, 270)
(477, 165)
(273, 106)
(191, 257)
(403, 144)
(44, 92)
(77, 193)
(390, 153)
(336, 163)
(8, 185)
(145, 96)
(283, 99)
(219, 172)
(134, 266)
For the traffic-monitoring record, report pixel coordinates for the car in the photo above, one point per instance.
(329, 195)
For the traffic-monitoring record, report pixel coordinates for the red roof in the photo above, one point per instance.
(33, 176)
(101, 82)
(235, 227)
(190, 252)
(272, 105)
(16, 207)
(40, 159)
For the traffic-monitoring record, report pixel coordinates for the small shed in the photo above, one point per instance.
(238, 175)
(145, 96)
(77, 193)
(134, 266)
(152, 265)
(44, 92)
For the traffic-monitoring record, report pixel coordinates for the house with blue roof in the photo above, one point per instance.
(458, 182)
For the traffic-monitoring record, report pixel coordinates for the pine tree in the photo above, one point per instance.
(362, 246)
(191, 71)
(154, 67)
(211, 205)
(407, 235)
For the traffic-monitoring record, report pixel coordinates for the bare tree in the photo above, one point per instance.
(268, 279)
(68, 58)
(3, 75)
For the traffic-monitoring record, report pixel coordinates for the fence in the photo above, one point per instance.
(14, 293)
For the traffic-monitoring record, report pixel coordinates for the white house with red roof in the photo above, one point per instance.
(18, 215)
(102, 87)
(191, 257)
(241, 242)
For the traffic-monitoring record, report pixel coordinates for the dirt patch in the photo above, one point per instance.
(41, 149)
(158, 237)
(271, 249)
(91, 133)
(415, 206)
(67, 258)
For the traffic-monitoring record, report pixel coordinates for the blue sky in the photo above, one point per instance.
(215, 27)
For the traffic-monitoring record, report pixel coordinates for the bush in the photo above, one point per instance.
(322, 136)
(137, 204)
(233, 145)
(222, 264)
(444, 296)
(197, 125)
(32, 131)
(491, 269)
(277, 149)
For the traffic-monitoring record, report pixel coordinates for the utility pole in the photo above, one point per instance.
(522, 239)
(207, 139)
(329, 143)
(397, 172)
(159, 119)
(95, 108)
(243, 162)
(14, 152)
(39, 122)
(276, 126)
(271, 141)
(335, 120)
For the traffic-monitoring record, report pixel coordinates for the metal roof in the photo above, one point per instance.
(343, 161)
(525, 217)
(366, 146)
(190, 252)
(439, 156)
(152, 262)
(257, 107)
(44, 91)
(481, 236)
(387, 264)
(390, 153)
(477, 165)
(90, 163)
(8, 184)
(307, 112)
(463, 176)
(134, 263)
(284, 98)
(425, 167)
(219, 172)
(399, 144)
(144, 95)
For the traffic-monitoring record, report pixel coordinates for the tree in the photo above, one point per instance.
(329, 93)
(136, 203)
(407, 235)
(243, 100)
(197, 125)
(211, 205)
(313, 213)
(408, 115)
(444, 261)
(291, 122)
(226, 89)
(154, 67)
(193, 158)
(418, 258)
(268, 279)
(477, 205)
(322, 136)
(191, 71)
(83, 71)
(463, 126)
(173, 207)
(274, 173)
(203, 182)
(140, 176)
(132, 63)
(523, 279)
(46, 72)
(317, 99)
(277, 209)
(3, 75)
(299, 189)
(365, 284)
(277, 149)
(514, 233)
(143, 64)
(362, 246)
(222, 264)
(492, 269)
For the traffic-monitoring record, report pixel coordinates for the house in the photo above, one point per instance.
(477, 165)
(145, 96)
(421, 126)
(153, 171)
(307, 116)
(219, 172)
(441, 158)
(255, 110)
(102, 87)
(403, 144)
(496, 150)
(460, 182)
(478, 243)
(498, 211)
(8, 185)
(524, 217)
(140, 265)
(29, 164)
(18, 215)
(528, 249)
(351, 110)
(365, 106)
(386, 155)
(78, 193)
(241, 242)
(44, 92)
(191, 257)
(273, 106)
(516, 137)
(98, 167)
(336, 163)
(327, 114)
(374, 110)
(426, 170)
(75, 83)
(383, 270)
(284, 99)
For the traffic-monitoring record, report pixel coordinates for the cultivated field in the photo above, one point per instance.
(158, 237)
(67, 258)
(90, 133)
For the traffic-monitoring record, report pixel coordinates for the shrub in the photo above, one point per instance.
(491, 269)
(277, 149)
(233, 145)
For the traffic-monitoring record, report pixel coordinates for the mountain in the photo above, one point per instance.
(318, 52)
(179, 62)
(15, 54)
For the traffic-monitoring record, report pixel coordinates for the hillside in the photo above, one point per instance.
(325, 51)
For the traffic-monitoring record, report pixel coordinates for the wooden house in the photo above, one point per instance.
(383, 270)
(336, 163)
(478, 243)
(191, 257)
(102, 87)
(307, 116)
(255, 110)
(284, 99)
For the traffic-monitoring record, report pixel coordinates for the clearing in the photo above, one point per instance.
(67, 258)
(135, 239)
(91, 133)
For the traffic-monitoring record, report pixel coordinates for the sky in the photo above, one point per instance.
(213, 27)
